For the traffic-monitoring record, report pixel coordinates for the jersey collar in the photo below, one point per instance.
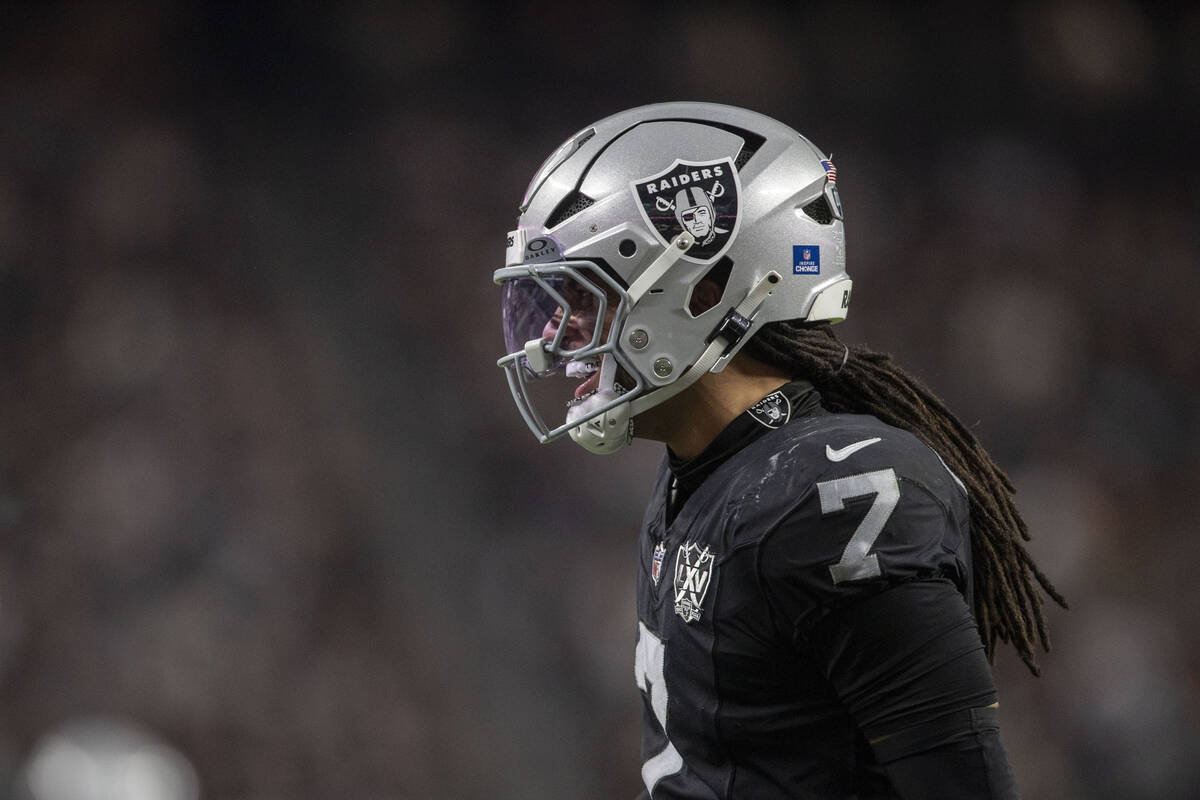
(795, 399)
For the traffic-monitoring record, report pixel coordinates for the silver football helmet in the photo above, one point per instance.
(618, 227)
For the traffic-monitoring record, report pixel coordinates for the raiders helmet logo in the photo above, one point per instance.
(701, 198)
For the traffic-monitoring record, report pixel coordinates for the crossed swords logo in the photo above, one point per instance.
(663, 204)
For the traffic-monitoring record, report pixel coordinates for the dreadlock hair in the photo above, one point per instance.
(855, 379)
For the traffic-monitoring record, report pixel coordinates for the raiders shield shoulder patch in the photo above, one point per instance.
(702, 198)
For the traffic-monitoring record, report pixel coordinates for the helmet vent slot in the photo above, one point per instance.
(744, 155)
(819, 210)
(718, 274)
(568, 207)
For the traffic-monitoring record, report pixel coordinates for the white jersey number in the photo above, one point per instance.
(858, 561)
(648, 668)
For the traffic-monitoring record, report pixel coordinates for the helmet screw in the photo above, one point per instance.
(593, 227)
(638, 339)
(663, 367)
(684, 242)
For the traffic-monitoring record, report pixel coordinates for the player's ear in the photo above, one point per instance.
(706, 294)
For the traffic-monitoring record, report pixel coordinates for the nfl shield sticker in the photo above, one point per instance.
(693, 574)
(806, 259)
(660, 552)
(700, 197)
(773, 411)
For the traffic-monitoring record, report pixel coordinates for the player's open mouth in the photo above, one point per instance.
(589, 369)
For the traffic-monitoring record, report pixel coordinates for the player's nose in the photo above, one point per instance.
(552, 324)
(576, 335)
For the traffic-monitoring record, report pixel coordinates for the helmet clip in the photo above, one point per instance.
(732, 327)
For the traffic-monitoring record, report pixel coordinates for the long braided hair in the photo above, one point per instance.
(855, 379)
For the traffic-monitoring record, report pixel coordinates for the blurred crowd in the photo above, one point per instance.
(270, 526)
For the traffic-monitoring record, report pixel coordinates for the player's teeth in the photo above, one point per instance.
(574, 401)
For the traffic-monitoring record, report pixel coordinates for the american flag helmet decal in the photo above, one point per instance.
(830, 170)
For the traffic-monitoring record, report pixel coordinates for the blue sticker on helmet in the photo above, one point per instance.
(806, 259)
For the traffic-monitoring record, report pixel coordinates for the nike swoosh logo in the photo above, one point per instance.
(848, 450)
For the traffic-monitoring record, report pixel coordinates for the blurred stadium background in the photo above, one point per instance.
(269, 524)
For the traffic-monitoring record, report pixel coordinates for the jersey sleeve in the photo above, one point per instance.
(850, 536)
(867, 575)
(909, 666)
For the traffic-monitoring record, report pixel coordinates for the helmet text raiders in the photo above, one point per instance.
(619, 226)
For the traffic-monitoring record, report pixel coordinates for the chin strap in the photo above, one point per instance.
(666, 259)
(612, 430)
(732, 328)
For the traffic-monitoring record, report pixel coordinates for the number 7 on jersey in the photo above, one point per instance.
(858, 562)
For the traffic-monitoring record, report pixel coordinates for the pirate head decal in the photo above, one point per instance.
(701, 198)
(773, 411)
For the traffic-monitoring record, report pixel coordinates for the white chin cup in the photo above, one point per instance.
(606, 433)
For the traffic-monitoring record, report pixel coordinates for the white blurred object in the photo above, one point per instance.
(102, 758)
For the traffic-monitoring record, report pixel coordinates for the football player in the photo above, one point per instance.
(829, 556)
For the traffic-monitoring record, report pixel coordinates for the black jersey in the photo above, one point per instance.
(804, 609)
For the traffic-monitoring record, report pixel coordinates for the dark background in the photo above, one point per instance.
(264, 498)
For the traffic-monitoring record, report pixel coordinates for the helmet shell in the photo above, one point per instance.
(650, 202)
(586, 198)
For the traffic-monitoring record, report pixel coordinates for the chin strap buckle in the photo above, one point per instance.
(734, 326)
(731, 328)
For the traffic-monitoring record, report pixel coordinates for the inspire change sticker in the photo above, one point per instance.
(806, 259)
